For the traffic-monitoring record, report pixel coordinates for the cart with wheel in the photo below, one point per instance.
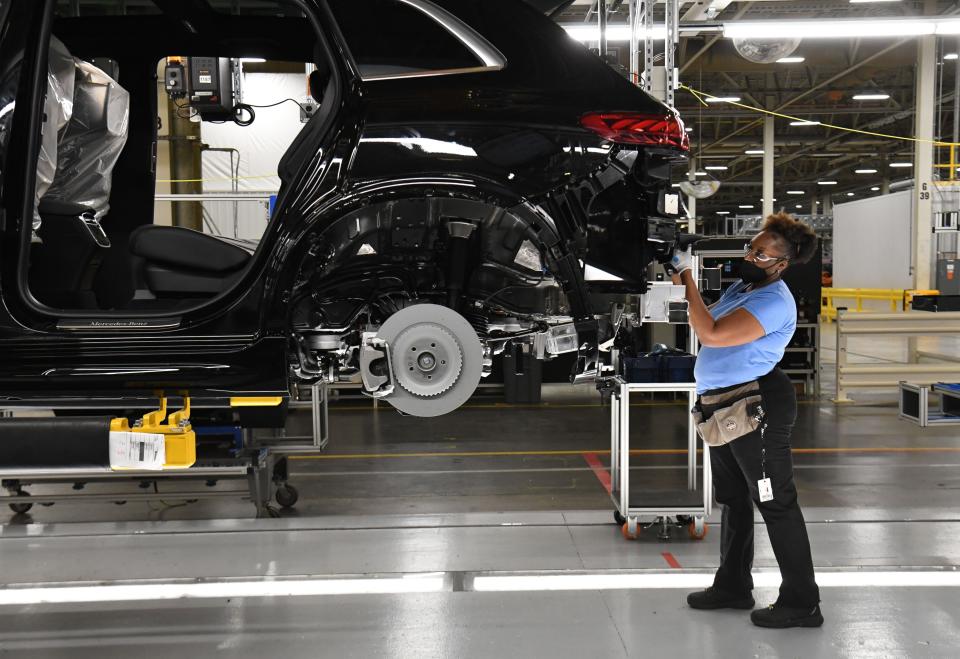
(688, 507)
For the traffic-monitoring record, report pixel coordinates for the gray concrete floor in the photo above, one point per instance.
(504, 490)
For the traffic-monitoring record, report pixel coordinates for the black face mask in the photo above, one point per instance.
(751, 273)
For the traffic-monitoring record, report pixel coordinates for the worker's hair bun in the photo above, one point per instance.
(800, 241)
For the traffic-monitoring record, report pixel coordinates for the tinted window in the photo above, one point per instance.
(75, 8)
(391, 37)
(256, 7)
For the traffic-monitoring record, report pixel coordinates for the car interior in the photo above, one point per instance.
(98, 240)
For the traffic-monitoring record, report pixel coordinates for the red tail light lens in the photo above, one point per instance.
(633, 128)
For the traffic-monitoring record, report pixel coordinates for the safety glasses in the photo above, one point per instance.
(760, 257)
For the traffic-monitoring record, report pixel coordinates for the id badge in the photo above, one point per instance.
(766, 490)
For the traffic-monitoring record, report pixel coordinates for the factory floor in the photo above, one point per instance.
(488, 532)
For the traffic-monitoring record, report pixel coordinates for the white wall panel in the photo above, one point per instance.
(261, 145)
(872, 242)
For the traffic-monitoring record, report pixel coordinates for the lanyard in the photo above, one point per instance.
(761, 418)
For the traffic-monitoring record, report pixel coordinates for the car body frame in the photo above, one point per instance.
(486, 188)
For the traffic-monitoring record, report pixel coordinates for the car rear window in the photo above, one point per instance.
(394, 38)
(84, 8)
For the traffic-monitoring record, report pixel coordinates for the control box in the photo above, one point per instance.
(211, 90)
(211, 85)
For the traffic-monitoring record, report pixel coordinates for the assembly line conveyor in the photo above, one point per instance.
(258, 458)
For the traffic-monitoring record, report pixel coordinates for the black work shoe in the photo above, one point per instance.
(714, 598)
(778, 616)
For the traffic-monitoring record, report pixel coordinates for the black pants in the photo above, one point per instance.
(736, 470)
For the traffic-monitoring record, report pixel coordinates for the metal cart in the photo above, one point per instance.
(690, 507)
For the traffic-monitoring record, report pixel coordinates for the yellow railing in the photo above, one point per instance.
(895, 296)
(952, 161)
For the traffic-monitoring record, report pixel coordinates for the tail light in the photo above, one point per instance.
(634, 128)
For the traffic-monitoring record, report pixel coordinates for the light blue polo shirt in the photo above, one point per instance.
(773, 306)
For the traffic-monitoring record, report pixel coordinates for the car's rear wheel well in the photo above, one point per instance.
(495, 264)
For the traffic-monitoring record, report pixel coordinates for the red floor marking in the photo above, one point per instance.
(599, 470)
(671, 561)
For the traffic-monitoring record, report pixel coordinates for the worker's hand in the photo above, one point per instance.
(682, 260)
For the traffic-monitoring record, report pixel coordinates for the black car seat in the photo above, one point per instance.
(183, 263)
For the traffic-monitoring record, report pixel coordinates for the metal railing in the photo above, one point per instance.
(907, 325)
(895, 296)
(228, 214)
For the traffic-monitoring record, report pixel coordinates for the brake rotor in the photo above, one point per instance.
(437, 359)
(427, 360)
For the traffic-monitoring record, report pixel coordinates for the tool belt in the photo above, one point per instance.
(723, 417)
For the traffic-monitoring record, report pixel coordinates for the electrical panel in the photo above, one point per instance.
(211, 85)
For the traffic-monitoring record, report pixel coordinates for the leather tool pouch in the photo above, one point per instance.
(722, 418)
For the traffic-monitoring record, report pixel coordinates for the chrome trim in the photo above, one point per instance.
(251, 196)
(429, 73)
(476, 43)
(119, 324)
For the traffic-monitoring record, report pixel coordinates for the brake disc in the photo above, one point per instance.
(437, 359)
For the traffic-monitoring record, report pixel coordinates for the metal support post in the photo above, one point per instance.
(602, 22)
(670, 43)
(320, 412)
(923, 161)
(767, 166)
(841, 396)
(647, 11)
(926, 108)
(634, 8)
(956, 111)
(691, 200)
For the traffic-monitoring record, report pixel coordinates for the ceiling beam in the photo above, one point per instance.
(818, 86)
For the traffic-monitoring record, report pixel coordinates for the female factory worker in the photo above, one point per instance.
(743, 336)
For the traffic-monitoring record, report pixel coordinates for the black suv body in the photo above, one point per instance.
(462, 193)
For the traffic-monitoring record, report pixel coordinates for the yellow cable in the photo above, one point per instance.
(699, 94)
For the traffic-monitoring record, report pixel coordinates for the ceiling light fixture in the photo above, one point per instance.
(779, 29)
(790, 60)
(840, 28)
(745, 206)
(827, 182)
(799, 206)
(951, 56)
(754, 152)
(699, 173)
(618, 32)
(870, 97)
(252, 60)
(901, 164)
(723, 212)
(805, 123)
(866, 2)
(719, 168)
(864, 171)
(849, 194)
(875, 189)
(721, 99)
(795, 192)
